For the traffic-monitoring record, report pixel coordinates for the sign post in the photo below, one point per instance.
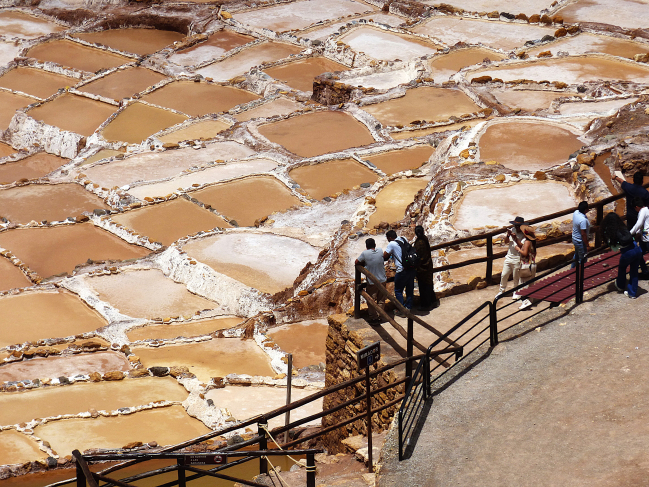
(367, 356)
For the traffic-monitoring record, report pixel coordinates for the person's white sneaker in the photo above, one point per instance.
(499, 295)
(525, 304)
(516, 297)
(626, 293)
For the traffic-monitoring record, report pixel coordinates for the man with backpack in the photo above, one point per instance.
(405, 258)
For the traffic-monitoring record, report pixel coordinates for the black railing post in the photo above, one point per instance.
(81, 477)
(598, 222)
(493, 323)
(357, 293)
(310, 470)
(262, 425)
(409, 346)
(426, 379)
(579, 282)
(490, 262)
(401, 433)
(181, 473)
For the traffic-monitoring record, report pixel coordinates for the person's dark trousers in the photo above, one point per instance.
(405, 280)
(643, 265)
(580, 254)
(427, 297)
(630, 258)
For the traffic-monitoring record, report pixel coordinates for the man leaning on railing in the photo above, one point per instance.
(580, 230)
(372, 259)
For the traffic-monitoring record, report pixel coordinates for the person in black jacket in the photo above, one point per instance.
(617, 236)
(427, 298)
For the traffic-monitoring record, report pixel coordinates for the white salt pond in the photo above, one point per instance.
(279, 106)
(130, 292)
(382, 45)
(623, 13)
(526, 6)
(216, 46)
(585, 43)
(150, 166)
(321, 33)
(595, 107)
(8, 51)
(527, 99)
(383, 81)
(14, 23)
(263, 261)
(498, 205)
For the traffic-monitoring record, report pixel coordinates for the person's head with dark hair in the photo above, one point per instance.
(614, 231)
(583, 207)
(419, 232)
(370, 244)
(639, 203)
(391, 235)
(638, 178)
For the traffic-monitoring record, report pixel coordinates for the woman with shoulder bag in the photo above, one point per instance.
(527, 249)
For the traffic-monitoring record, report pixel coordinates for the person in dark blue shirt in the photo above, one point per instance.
(632, 191)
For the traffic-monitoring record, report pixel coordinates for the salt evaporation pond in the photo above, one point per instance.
(18, 448)
(591, 43)
(623, 13)
(31, 316)
(305, 340)
(139, 121)
(447, 65)
(14, 23)
(594, 107)
(6, 150)
(74, 55)
(401, 160)
(320, 33)
(11, 277)
(299, 74)
(8, 51)
(528, 99)
(393, 199)
(215, 46)
(136, 41)
(123, 83)
(498, 205)
(201, 130)
(35, 82)
(382, 45)
(187, 329)
(382, 80)
(100, 155)
(279, 106)
(528, 145)
(63, 112)
(528, 6)
(264, 261)
(30, 167)
(328, 178)
(130, 292)
(10, 102)
(409, 134)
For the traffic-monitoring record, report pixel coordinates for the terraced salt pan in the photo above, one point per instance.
(138, 121)
(8, 51)
(569, 70)
(63, 112)
(212, 358)
(434, 130)
(527, 145)
(11, 276)
(67, 366)
(150, 166)
(497, 205)
(599, 107)
(498, 35)
(299, 15)
(528, 99)
(115, 432)
(383, 81)
(211, 175)
(6, 150)
(305, 340)
(54, 202)
(130, 292)
(215, 46)
(585, 43)
(300, 74)
(321, 33)
(425, 103)
(136, 41)
(242, 61)
(123, 83)
(169, 221)
(16, 447)
(185, 329)
(74, 55)
(401, 160)
(10, 102)
(445, 66)
(328, 178)
(35, 82)
(51, 251)
(246, 402)
(31, 167)
(279, 106)
(267, 262)
(99, 155)
(33, 316)
(387, 46)
(393, 199)
(302, 135)
(527, 6)
(14, 23)
(623, 13)
(48, 402)
(203, 130)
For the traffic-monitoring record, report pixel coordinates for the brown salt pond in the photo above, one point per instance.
(392, 200)
(9, 103)
(187, 330)
(217, 357)
(247, 58)
(123, 83)
(31, 167)
(215, 46)
(115, 432)
(51, 202)
(388, 46)
(248, 199)
(528, 99)
(16, 447)
(52, 251)
(197, 99)
(447, 65)
(279, 106)
(130, 292)
(591, 43)
(47, 402)
(102, 154)
(45, 314)
(267, 262)
(11, 277)
(74, 55)
(138, 121)
(6, 150)
(303, 135)
(426, 103)
(300, 74)
(497, 205)
(623, 13)
(136, 41)
(35, 82)
(169, 221)
(63, 112)
(151, 166)
(202, 130)
(401, 160)
(305, 340)
(14, 23)
(327, 178)
(530, 146)
(66, 366)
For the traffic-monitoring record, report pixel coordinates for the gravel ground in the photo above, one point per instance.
(563, 401)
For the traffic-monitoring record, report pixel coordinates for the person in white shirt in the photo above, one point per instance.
(512, 263)
(641, 228)
(372, 259)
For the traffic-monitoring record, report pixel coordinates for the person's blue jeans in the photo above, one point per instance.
(405, 280)
(580, 254)
(644, 246)
(631, 258)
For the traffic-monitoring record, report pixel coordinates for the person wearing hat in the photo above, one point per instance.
(527, 249)
(512, 263)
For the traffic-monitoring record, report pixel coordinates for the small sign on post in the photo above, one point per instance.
(215, 459)
(367, 356)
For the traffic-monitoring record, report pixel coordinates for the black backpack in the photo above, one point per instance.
(409, 257)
